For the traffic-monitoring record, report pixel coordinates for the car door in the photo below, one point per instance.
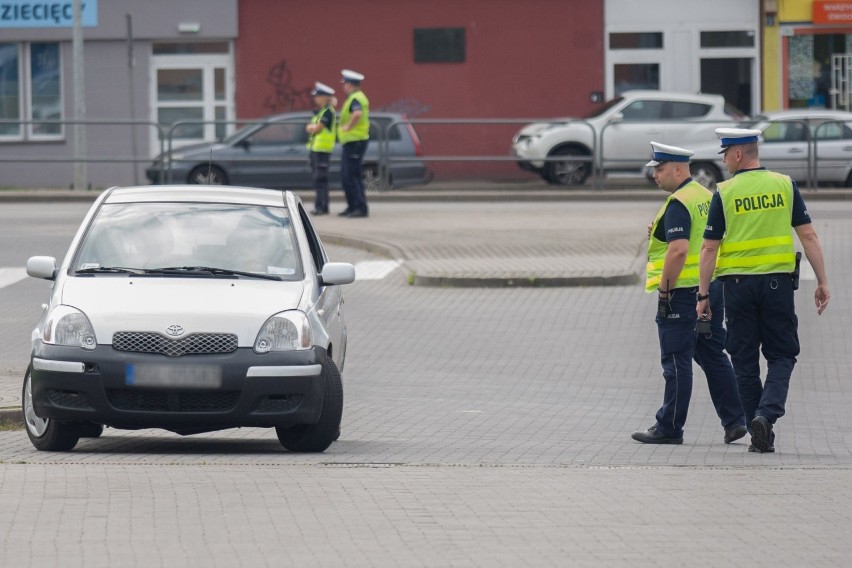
(274, 155)
(625, 139)
(832, 150)
(785, 148)
(685, 124)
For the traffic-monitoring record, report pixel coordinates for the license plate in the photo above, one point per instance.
(174, 376)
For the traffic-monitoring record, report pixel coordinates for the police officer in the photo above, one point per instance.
(748, 243)
(354, 134)
(672, 272)
(321, 143)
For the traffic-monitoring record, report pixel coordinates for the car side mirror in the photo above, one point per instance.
(334, 273)
(43, 267)
(244, 144)
(617, 117)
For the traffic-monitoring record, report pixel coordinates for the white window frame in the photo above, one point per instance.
(25, 94)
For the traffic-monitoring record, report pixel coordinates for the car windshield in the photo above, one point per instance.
(205, 239)
(600, 110)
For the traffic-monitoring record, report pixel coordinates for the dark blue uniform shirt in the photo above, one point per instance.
(716, 217)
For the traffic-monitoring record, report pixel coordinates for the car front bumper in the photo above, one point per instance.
(244, 389)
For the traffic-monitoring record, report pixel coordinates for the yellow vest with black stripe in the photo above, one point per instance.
(361, 129)
(758, 239)
(322, 141)
(696, 199)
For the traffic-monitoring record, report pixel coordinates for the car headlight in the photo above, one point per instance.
(69, 327)
(285, 331)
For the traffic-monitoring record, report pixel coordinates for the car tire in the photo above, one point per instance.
(208, 175)
(567, 172)
(706, 174)
(314, 438)
(46, 434)
(373, 182)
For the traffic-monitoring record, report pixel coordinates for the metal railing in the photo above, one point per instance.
(813, 156)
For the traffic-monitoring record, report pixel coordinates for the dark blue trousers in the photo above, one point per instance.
(352, 175)
(761, 316)
(320, 162)
(679, 346)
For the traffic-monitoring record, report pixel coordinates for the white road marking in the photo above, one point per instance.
(374, 269)
(9, 276)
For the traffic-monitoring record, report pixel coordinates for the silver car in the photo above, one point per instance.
(192, 309)
(806, 144)
(273, 153)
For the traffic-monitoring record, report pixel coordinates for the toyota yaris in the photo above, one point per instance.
(191, 309)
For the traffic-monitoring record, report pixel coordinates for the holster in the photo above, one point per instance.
(795, 274)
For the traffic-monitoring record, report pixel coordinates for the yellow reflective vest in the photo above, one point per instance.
(322, 141)
(758, 239)
(361, 129)
(696, 198)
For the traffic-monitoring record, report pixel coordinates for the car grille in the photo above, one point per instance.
(193, 344)
(279, 403)
(160, 401)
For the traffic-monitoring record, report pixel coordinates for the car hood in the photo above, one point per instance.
(536, 127)
(201, 148)
(212, 305)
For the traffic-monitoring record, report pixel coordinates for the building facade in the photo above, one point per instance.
(146, 62)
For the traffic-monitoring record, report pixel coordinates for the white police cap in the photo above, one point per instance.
(733, 136)
(322, 89)
(351, 76)
(665, 153)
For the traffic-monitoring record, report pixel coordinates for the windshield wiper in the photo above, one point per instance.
(201, 270)
(110, 270)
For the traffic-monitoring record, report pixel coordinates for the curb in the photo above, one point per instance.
(11, 418)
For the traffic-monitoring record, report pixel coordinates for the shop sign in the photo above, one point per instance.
(45, 13)
(832, 12)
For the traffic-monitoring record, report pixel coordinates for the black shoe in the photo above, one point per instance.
(735, 433)
(761, 434)
(316, 212)
(652, 436)
(769, 450)
(345, 213)
(358, 213)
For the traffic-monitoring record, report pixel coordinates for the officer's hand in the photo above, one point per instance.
(702, 308)
(821, 297)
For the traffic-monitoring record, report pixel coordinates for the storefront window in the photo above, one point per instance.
(10, 101)
(46, 101)
(30, 90)
(809, 68)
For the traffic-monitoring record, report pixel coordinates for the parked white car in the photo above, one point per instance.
(791, 141)
(617, 136)
(192, 309)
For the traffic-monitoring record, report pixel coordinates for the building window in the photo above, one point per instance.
(727, 39)
(638, 40)
(629, 76)
(439, 45)
(30, 90)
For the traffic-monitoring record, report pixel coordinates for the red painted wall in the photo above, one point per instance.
(524, 59)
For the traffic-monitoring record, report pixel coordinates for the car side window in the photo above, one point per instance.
(644, 110)
(833, 131)
(313, 241)
(279, 133)
(681, 109)
(378, 126)
(785, 132)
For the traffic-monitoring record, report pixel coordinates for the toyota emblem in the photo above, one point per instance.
(174, 330)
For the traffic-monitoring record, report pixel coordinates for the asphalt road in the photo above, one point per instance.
(482, 427)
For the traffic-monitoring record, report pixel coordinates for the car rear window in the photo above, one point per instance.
(148, 236)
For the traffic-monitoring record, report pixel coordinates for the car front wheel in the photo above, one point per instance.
(318, 437)
(208, 175)
(46, 434)
(566, 171)
(707, 175)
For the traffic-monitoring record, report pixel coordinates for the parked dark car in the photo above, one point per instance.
(274, 154)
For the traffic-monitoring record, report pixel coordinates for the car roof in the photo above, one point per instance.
(198, 194)
(805, 114)
(665, 95)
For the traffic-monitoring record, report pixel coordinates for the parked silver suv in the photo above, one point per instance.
(615, 137)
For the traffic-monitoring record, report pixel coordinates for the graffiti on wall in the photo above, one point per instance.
(408, 107)
(286, 96)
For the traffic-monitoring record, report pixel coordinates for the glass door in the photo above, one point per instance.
(191, 91)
